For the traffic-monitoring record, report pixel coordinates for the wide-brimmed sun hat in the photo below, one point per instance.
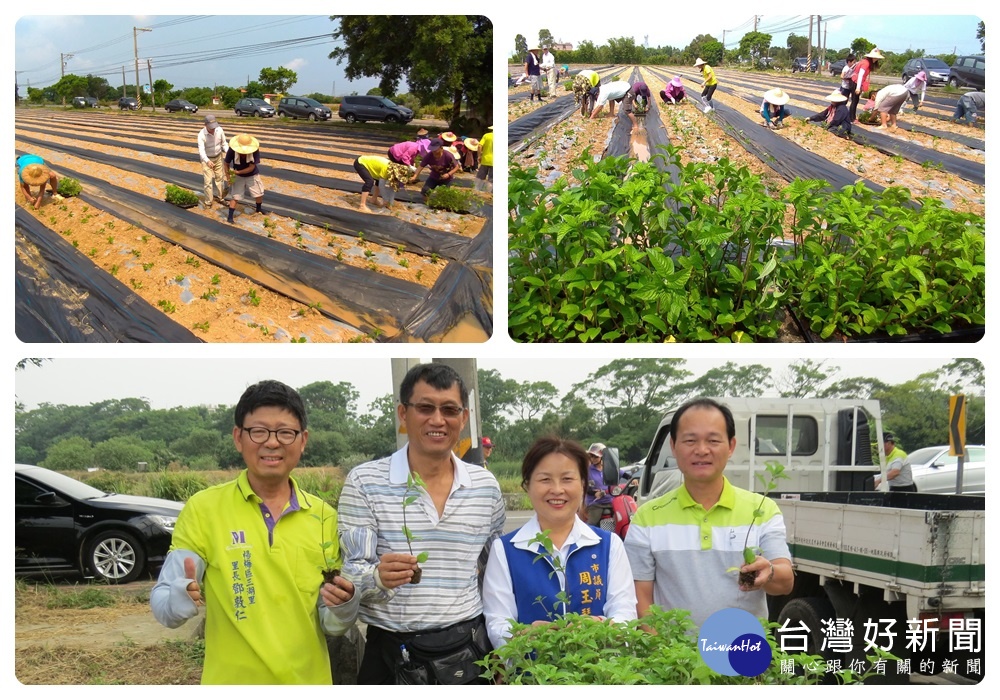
(676, 81)
(700, 62)
(449, 136)
(535, 48)
(776, 96)
(244, 143)
(35, 174)
(472, 144)
(835, 97)
(921, 76)
(875, 53)
(421, 132)
(454, 151)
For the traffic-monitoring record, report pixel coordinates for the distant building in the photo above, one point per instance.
(562, 47)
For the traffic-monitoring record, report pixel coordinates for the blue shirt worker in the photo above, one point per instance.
(597, 496)
(252, 552)
(775, 107)
(681, 544)
(33, 172)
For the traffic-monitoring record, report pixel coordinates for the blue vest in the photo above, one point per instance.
(586, 579)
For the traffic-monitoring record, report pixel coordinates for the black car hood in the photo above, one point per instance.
(152, 506)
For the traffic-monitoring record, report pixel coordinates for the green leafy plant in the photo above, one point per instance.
(403, 262)
(658, 649)
(216, 279)
(192, 261)
(300, 339)
(413, 483)
(180, 196)
(178, 278)
(135, 284)
(773, 472)
(330, 568)
(210, 294)
(68, 187)
(166, 306)
(146, 267)
(254, 298)
(163, 250)
(419, 274)
(201, 326)
(92, 252)
(455, 199)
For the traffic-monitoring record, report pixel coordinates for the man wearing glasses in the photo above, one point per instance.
(430, 632)
(252, 552)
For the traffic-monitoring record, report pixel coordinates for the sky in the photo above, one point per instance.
(176, 48)
(933, 33)
(189, 382)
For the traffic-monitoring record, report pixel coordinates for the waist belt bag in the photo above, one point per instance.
(448, 655)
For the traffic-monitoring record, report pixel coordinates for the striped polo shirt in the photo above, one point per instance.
(685, 550)
(371, 524)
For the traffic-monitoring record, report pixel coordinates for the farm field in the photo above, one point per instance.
(775, 200)
(119, 263)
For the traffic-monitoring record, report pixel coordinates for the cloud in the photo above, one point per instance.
(296, 64)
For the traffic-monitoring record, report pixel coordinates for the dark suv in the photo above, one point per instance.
(362, 108)
(800, 63)
(304, 107)
(937, 71)
(128, 103)
(65, 525)
(255, 106)
(968, 71)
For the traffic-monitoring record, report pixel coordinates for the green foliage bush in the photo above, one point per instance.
(180, 196)
(71, 453)
(115, 482)
(320, 483)
(630, 256)
(580, 650)
(68, 187)
(456, 199)
(176, 486)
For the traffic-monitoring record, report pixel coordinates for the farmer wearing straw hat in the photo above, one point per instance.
(33, 172)
(441, 164)
(774, 107)
(484, 176)
(533, 69)
(674, 91)
(837, 116)
(212, 149)
(861, 78)
(468, 148)
(709, 84)
(243, 157)
(382, 178)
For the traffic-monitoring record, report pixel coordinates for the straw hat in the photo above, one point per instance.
(776, 96)
(244, 143)
(472, 144)
(676, 81)
(875, 53)
(421, 132)
(835, 97)
(454, 151)
(534, 49)
(921, 76)
(449, 137)
(35, 174)
(699, 62)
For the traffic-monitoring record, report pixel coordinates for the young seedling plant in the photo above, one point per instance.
(413, 483)
(773, 472)
(330, 569)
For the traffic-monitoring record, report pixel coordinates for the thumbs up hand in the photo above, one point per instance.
(193, 589)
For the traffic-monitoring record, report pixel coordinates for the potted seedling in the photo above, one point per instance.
(413, 482)
(330, 570)
(773, 471)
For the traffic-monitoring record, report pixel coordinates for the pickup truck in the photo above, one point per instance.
(870, 557)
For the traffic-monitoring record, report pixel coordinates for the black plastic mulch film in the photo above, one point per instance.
(59, 299)
(364, 299)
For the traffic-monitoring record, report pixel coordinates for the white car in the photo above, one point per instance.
(935, 471)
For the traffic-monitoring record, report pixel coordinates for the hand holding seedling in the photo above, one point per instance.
(762, 571)
(193, 589)
(396, 569)
(338, 592)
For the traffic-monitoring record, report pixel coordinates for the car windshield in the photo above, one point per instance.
(388, 102)
(68, 485)
(923, 456)
(259, 102)
(934, 63)
(311, 102)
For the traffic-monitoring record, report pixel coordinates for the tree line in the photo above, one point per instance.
(619, 404)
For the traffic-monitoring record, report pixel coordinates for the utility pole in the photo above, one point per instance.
(152, 93)
(822, 54)
(809, 45)
(135, 49)
(62, 70)
(124, 86)
(755, 18)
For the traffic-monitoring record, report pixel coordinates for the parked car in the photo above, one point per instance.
(838, 66)
(937, 70)
(255, 106)
(127, 103)
(86, 102)
(180, 106)
(304, 107)
(935, 471)
(803, 64)
(65, 525)
(968, 71)
(363, 108)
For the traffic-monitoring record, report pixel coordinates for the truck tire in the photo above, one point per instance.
(809, 612)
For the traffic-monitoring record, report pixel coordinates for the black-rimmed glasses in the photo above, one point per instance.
(448, 410)
(286, 436)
